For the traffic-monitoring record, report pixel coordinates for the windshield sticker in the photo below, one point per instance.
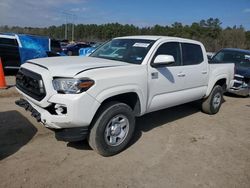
(141, 45)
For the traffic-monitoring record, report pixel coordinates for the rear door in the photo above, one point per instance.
(195, 70)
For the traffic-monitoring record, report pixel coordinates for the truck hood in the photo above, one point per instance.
(71, 66)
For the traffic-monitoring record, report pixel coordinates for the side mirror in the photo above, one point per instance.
(162, 60)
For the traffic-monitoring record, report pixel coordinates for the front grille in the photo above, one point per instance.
(31, 84)
(241, 81)
(238, 78)
(237, 84)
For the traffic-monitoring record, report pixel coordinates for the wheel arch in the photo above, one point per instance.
(221, 81)
(132, 99)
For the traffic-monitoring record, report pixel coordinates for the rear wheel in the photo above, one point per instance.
(212, 104)
(112, 129)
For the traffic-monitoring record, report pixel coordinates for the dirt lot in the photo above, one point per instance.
(177, 147)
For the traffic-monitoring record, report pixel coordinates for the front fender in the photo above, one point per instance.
(117, 90)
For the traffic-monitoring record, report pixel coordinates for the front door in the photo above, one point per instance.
(165, 82)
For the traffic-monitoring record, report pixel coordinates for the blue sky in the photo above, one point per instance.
(138, 12)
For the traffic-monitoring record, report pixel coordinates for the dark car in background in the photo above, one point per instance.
(73, 49)
(9, 51)
(55, 48)
(241, 58)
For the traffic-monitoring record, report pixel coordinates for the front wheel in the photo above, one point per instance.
(212, 104)
(112, 129)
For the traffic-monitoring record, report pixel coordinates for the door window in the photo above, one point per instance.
(191, 54)
(170, 48)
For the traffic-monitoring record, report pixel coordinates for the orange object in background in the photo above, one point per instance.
(2, 77)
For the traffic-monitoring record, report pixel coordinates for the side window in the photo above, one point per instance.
(7, 41)
(55, 46)
(235, 57)
(191, 54)
(170, 48)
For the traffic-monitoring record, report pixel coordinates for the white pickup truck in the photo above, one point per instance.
(98, 97)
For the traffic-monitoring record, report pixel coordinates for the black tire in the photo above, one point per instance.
(212, 104)
(98, 139)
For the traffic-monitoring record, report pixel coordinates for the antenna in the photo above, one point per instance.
(69, 17)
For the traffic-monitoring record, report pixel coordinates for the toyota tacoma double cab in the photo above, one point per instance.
(98, 97)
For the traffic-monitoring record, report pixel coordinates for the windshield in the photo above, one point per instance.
(70, 45)
(229, 56)
(127, 50)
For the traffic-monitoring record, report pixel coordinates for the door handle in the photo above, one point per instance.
(181, 75)
(204, 72)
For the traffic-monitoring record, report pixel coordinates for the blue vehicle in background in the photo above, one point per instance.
(89, 50)
(73, 49)
(16, 49)
(86, 51)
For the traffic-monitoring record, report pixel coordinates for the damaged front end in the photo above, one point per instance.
(240, 85)
(28, 107)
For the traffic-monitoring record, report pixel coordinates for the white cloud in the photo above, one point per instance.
(4, 4)
(75, 9)
(37, 12)
(247, 10)
(83, 9)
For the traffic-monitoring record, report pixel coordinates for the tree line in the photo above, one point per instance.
(209, 32)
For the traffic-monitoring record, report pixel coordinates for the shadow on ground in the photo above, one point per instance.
(15, 132)
(80, 145)
(162, 117)
(235, 96)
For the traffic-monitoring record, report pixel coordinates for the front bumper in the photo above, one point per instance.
(64, 134)
(239, 86)
(24, 104)
(72, 134)
(240, 91)
(81, 109)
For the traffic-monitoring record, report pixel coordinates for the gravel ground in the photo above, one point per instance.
(176, 147)
(10, 91)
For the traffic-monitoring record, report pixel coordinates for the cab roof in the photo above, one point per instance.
(155, 37)
(237, 50)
